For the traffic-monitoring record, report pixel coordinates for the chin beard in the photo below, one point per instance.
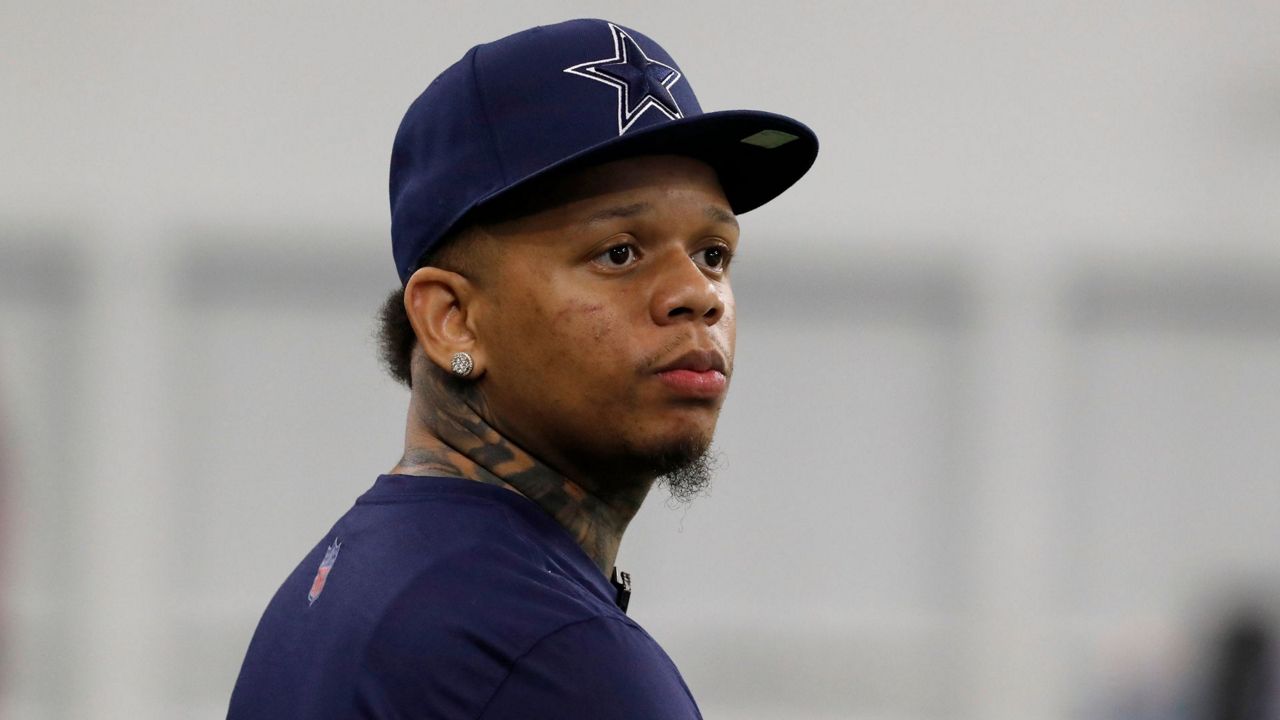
(685, 467)
(686, 470)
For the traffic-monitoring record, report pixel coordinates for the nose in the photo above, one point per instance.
(685, 293)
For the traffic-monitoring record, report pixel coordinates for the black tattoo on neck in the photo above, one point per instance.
(448, 435)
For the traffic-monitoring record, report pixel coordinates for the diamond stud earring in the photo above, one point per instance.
(461, 364)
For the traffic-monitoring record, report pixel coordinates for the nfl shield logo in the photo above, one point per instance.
(317, 585)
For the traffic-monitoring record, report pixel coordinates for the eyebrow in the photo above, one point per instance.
(713, 212)
(719, 214)
(619, 211)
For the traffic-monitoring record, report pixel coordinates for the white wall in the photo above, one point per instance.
(1033, 274)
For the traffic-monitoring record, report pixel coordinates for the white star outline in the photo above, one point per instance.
(588, 70)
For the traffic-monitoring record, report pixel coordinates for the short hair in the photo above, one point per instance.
(396, 338)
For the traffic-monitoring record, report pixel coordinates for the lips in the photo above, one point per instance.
(696, 374)
(696, 361)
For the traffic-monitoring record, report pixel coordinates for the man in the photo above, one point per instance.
(563, 221)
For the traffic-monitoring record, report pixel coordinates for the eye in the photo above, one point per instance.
(715, 257)
(618, 256)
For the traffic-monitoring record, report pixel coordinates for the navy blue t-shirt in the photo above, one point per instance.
(447, 598)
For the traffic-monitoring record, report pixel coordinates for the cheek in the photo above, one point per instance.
(564, 342)
(728, 326)
(579, 320)
(600, 358)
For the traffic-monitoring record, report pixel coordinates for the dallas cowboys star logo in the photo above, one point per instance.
(641, 82)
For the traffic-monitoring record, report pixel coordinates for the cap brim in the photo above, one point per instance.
(756, 154)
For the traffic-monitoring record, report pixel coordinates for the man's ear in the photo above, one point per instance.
(438, 304)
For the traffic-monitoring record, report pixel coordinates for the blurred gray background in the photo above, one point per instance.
(1002, 441)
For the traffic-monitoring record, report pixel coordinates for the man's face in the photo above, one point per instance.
(608, 326)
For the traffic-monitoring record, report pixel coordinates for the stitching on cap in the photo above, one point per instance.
(488, 122)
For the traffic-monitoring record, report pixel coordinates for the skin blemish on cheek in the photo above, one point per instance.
(594, 315)
(603, 326)
(577, 308)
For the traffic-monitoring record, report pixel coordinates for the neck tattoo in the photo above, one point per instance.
(448, 435)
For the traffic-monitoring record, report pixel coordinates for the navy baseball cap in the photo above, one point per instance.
(556, 97)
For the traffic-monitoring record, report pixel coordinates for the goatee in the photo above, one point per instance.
(689, 475)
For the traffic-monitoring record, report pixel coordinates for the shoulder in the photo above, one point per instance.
(451, 635)
(603, 667)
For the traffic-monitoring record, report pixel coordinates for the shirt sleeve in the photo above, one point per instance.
(602, 668)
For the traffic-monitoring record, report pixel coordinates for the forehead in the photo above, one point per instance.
(654, 173)
(578, 194)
